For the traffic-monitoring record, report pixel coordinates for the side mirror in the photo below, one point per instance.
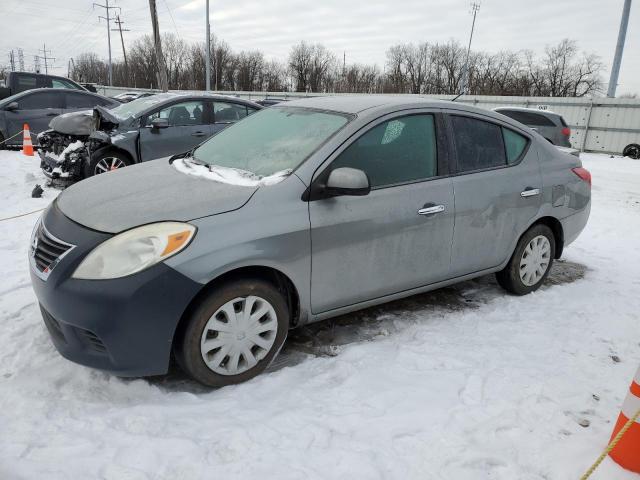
(347, 181)
(157, 123)
(12, 107)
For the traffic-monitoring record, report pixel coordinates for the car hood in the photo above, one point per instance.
(145, 193)
(73, 123)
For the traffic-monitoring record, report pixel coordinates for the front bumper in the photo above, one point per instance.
(124, 326)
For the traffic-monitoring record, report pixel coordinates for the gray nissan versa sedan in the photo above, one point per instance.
(301, 212)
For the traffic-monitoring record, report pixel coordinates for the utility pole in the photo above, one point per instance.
(124, 52)
(107, 9)
(21, 60)
(36, 63)
(12, 61)
(617, 59)
(163, 82)
(465, 73)
(207, 81)
(44, 51)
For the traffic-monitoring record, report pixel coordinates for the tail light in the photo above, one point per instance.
(566, 131)
(583, 173)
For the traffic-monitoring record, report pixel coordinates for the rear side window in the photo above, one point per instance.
(479, 144)
(40, 100)
(224, 112)
(78, 100)
(25, 82)
(514, 144)
(397, 151)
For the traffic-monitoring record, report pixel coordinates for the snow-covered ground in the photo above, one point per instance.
(462, 383)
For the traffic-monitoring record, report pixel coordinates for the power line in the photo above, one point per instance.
(107, 9)
(44, 51)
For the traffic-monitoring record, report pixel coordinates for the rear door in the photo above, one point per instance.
(23, 81)
(396, 238)
(37, 109)
(188, 126)
(497, 190)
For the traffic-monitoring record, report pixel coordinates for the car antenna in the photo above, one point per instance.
(457, 97)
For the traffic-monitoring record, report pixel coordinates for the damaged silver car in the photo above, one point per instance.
(83, 144)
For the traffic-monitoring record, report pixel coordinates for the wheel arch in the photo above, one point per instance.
(558, 232)
(113, 148)
(270, 274)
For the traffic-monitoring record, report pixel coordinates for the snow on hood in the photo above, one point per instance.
(231, 176)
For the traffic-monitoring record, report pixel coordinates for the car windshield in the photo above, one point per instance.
(271, 141)
(136, 107)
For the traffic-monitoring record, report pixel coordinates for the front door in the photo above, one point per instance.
(36, 109)
(394, 239)
(188, 127)
(497, 190)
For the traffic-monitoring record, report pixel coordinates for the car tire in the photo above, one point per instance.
(632, 151)
(105, 162)
(530, 263)
(217, 349)
(3, 145)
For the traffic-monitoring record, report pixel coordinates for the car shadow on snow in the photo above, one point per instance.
(327, 338)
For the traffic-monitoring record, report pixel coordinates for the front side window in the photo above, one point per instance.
(479, 144)
(514, 144)
(40, 100)
(396, 151)
(224, 112)
(180, 114)
(271, 141)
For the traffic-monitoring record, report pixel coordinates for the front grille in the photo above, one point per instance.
(47, 250)
(53, 326)
(91, 340)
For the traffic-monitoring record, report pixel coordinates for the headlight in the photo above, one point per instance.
(135, 250)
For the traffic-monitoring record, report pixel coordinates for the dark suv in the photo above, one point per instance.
(548, 124)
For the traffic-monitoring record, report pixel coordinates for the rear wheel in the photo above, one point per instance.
(632, 150)
(234, 333)
(106, 162)
(530, 263)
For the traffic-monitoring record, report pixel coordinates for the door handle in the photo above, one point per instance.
(530, 192)
(431, 209)
(52, 114)
(198, 134)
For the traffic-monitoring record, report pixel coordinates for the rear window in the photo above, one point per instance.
(528, 118)
(564, 124)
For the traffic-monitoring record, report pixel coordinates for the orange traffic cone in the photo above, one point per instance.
(626, 453)
(27, 146)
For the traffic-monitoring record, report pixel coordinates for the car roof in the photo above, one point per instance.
(355, 104)
(523, 109)
(163, 97)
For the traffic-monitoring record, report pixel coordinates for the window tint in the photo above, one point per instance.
(528, 118)
(183, 113)
(40, 100)
(228, 112)
(26, 82)
(514, 144)
(397, 151)
(78, 100)
(478, 143)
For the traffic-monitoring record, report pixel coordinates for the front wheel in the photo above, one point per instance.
(530, 263)
(106, 162)
(234, 333)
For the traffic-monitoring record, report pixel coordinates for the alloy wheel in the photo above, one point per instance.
(238, 335)
(107, 164)
(535, 260)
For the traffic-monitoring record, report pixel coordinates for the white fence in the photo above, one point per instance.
(597, 124)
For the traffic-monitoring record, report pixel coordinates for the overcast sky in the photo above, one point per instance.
(364, 29)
